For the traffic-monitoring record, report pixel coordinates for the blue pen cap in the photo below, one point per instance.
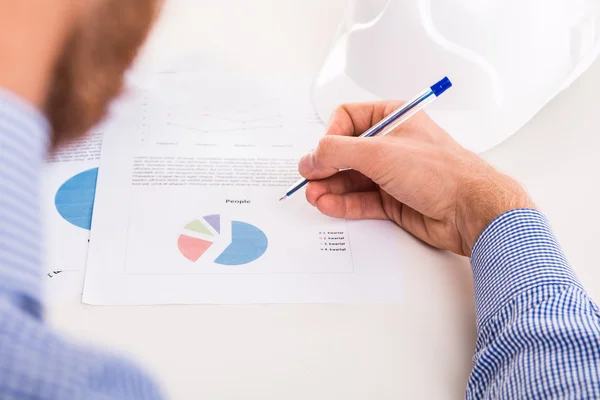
(441, 86)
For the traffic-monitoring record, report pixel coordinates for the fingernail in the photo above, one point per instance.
(306, 164)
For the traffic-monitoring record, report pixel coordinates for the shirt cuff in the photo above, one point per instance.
(516, 253)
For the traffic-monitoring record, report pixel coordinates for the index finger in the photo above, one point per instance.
(352, 119)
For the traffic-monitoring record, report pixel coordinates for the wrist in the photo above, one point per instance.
(482, 201)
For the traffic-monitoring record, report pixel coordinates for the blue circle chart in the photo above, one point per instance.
(74, 200)
(247, 244)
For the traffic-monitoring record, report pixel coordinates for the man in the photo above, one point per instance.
(64, 59)
(61, 61)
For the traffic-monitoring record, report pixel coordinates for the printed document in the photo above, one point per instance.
(68, 188)
(187, 207)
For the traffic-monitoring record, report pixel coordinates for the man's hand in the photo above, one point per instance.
(416, 176)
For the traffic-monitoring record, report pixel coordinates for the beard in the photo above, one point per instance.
(90, 72)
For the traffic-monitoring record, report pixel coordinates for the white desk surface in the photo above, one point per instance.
(421, 348)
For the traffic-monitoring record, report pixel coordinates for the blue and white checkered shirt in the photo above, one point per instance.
(36, 363)
(538, 331)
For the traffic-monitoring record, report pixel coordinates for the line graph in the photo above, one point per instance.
(242, 120)
(258, 105)
(246, 128)
(222, 119)
(260, 115)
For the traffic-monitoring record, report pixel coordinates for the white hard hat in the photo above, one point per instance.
(506, 59)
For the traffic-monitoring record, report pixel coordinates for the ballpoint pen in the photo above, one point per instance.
(392, 121)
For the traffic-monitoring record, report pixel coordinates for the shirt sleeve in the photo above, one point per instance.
(36, 363)
(538, 332)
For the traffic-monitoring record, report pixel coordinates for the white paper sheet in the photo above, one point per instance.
(68, 187)
(187, 206)
(62, 286)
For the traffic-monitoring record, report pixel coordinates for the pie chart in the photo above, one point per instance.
(74, 199)
(246, 243)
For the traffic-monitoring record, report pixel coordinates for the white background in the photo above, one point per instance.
(421, 348)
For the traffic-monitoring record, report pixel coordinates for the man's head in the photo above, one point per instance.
(68, 57)
(89, 71)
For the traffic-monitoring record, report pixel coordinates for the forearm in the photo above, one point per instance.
(538, 331)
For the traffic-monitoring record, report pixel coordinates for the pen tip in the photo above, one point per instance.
(283, 197)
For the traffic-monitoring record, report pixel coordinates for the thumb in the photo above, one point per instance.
(335, 153)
